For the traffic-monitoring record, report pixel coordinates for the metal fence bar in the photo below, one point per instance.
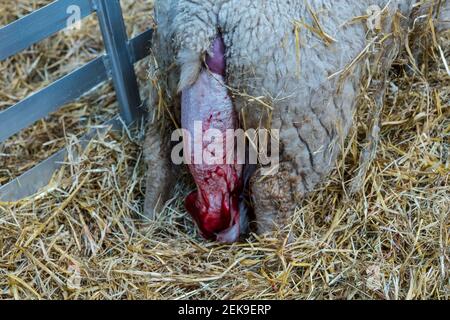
(38, 177)
(65, 90)
(115, 38)
(139, 47)
(39, 25)
(118, 64)
(49, 99)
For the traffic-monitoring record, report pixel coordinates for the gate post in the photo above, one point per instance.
(118, 58)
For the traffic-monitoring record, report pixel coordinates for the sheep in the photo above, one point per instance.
(301, 61)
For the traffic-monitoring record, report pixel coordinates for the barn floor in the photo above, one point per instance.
(82, 238)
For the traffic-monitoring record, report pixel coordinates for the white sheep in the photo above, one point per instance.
(302, 60)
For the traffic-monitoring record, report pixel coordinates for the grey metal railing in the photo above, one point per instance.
(116, 64)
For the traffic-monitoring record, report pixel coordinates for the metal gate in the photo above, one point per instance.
(116, 64)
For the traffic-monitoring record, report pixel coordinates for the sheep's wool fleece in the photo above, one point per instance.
(272, 53)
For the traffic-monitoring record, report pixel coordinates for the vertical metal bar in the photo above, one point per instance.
(39, 176)
(119, 61)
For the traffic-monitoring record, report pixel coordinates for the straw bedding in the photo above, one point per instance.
(82, 237)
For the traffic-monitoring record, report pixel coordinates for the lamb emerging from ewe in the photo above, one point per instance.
(301, 61)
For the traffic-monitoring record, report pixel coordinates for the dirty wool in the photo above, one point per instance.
(83, 237)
